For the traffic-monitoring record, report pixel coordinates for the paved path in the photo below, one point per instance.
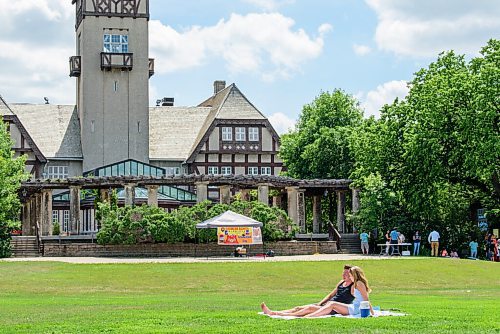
(318, 257)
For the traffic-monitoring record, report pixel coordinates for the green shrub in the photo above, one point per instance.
(56, 229)
(132, 225)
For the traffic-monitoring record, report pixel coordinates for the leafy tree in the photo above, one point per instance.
(318, 148)
(12, 173)
(436, 150)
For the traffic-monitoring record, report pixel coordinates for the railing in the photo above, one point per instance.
(38, 238)
(75, 66)
(114, 60)
(334, 235)
(151, 67)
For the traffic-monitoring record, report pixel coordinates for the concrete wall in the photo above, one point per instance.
(188, 250)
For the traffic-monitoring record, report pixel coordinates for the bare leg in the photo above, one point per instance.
(297, 311)
(340, 308)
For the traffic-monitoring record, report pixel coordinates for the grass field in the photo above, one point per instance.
(440, 296)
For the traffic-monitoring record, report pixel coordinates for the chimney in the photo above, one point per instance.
(167, 102)
(219, 85)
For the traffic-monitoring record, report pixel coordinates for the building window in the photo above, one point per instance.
(115, 86)
(265, 170)
(227, 133)
(213, 170)
(240, 134)
(115, 43)
(57, 172)
(92, 126)
(65, 226)
(253, 170)
(253, 134)
(227, 170)
(173, 170)
(55, 216)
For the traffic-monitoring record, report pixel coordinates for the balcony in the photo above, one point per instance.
(75, 66)
(151, 67)
(122, 61)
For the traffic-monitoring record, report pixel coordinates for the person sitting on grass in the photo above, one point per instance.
(444, 253)
(343, 293)
(359, 291)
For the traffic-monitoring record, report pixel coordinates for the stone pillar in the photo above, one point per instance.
(316, 214)
(26, 217)
(46, 212)
(201, 191)
(245, 194)
(74, 209)
(32, 215)
(301, 210)
(292, 204)
(38, 212)
(152, 195)
(355, 200)
(225, 194)
(263, 193)
(105, 195)
(341, 211)
(277, 201)
(129, 194)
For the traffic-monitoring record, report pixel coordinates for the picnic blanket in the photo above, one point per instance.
(377, 313)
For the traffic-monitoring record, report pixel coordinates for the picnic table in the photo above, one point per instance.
(405, 247)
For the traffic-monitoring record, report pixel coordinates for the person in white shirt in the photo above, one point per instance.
(434, 241)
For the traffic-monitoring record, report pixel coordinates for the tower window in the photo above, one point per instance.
(138, 127)
(92, 126)
(115, 86)
(115, 43)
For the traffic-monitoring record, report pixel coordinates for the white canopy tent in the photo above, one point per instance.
(229, 219)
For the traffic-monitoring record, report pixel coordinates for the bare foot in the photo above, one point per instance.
(265, 309)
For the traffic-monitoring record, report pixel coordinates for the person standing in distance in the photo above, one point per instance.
(434, 241)
(364, 243)
(416, 243)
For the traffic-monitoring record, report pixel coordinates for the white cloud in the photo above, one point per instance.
(269, 5)
(361, 50)
(265, 44)
(425, 28)
(386, 93)
(52, 10)
(281, 122)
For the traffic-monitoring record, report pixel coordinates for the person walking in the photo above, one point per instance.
(434, 241)
(364, 243)
(416, 243)
(473, 249)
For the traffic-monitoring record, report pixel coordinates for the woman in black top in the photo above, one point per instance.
(342, 293)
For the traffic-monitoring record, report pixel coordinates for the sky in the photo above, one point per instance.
(280, 53)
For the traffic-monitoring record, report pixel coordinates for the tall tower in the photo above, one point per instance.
(112, 69)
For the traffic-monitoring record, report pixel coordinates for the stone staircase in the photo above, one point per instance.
(350, 243)
(24, 246)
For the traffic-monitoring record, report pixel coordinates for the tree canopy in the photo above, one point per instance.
(12, 173)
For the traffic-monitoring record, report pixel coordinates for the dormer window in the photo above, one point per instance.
(115, 43)
(240, 134)
(227, 133)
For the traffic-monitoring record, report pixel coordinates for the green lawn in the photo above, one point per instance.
(440, 296)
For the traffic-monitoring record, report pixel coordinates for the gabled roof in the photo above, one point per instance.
(55, 129)
(228, 104)
(8, 114)
(4, 107)
(173, 131)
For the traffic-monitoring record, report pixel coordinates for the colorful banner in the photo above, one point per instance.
(239, 235)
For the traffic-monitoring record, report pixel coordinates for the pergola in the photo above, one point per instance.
(36, 195)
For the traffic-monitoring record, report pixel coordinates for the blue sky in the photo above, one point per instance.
(280, 53)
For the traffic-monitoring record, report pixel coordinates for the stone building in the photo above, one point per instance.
(112, 131)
